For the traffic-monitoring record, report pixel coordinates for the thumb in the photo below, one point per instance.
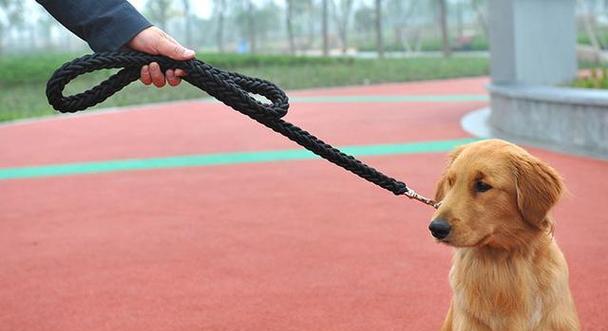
(174, 50)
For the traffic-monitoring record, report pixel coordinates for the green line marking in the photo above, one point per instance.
(203, 160)
(382, 98)
(391, 98)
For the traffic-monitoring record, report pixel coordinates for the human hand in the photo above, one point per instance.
(156, 42)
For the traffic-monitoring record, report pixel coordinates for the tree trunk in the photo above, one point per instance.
(379, 38)
(342, 17)
(251, 26)
(188, 23)
(481, 19)
(344, 38)
(162, 20)
(221, 5)
(220, 33)
(597, 49)
(2, 38)
(288, 23)
(325, 27)
(33, 34)
(311, 25)
(443, 23)
(460, 21)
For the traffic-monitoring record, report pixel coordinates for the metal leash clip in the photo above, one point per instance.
(413, 195)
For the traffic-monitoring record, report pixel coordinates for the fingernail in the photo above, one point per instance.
(188, 52)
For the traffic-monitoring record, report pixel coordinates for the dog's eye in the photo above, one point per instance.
(481, 186)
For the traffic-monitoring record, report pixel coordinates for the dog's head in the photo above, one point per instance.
(494, 194)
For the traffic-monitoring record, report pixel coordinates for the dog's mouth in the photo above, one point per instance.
(447, 241)
(450, 242)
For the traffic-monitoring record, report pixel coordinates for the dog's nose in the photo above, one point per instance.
(440, 228)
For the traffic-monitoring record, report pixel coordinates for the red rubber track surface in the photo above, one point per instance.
(297, 245)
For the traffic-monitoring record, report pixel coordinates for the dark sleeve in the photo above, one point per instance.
(105, 25)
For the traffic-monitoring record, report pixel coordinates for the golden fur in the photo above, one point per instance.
(508, 272)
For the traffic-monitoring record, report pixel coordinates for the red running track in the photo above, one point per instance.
(297, 245)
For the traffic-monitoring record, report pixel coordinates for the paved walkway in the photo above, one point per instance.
(189, 216)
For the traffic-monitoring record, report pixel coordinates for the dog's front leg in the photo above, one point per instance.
(447, 324)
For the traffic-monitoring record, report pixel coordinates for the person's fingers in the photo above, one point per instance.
(174, 50)
(155, 41)
(171, 38)
(157, 75)
(172, 79)
(145, 75)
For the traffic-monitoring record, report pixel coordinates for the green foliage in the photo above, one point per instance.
(12, 11)
(602, 36)
(17, 69)
(365, 18)
(159, 11)
(598, 79)
(478, 43)
(372, 71)
(237, 61)
(38, 68)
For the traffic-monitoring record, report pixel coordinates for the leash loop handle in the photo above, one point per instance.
(231, 88)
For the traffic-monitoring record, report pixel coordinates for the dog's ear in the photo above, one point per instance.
(440, 189)
(441, 185)
(538, 186)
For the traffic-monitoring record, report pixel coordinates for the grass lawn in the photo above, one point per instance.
(22, 89)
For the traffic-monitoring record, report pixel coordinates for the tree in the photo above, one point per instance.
(244, 19)
(595, 43)
(256, 20)
(404, 18)
(311, 22)
(325, 26)
(342, 13)
(159, 11)
(289, 7)
(460, 18)
(364, 18)
(443, 23)
(251, 25)
(299, 20)
(45, 23)
(219, 9)
(11, 14)
(379, 38)
(266, 17)
(188, 23)
(480, 12)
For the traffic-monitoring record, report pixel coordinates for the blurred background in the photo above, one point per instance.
(295, 43)
(188, 216)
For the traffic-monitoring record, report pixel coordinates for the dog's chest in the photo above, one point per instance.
(496, 293)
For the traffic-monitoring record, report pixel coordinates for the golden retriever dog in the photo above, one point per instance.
(508, 274)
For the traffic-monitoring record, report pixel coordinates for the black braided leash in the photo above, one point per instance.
(231, 88)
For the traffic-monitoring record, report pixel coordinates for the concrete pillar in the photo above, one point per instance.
(532, 41)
